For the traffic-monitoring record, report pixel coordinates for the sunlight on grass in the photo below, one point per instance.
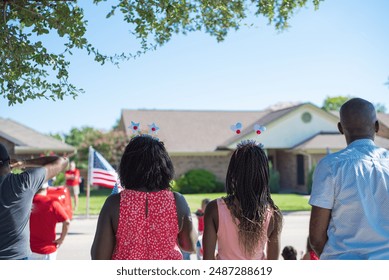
(286, 202)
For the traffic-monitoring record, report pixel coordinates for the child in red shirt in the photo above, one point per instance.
(200, 217)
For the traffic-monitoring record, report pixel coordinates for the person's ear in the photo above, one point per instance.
(340, 128)
(377, 126)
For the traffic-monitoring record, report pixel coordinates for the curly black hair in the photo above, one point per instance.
(145, 164)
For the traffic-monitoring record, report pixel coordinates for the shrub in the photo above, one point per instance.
(174, 186)
(197, 181)
(59, 179)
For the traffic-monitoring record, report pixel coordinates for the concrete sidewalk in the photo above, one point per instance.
(82, 230)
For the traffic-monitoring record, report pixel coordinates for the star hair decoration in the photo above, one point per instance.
(134, 127)
(153, 129)
(152, 132)
(258, 129)
(237, 128)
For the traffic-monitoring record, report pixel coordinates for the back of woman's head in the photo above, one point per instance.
(248, 193)
(146, 164)
(248, 177)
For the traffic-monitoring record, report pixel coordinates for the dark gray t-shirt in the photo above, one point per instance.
(16, 194)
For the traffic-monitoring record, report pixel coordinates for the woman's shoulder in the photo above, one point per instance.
(180, 199)
(181, 203)
(212, 207)
(113, 200)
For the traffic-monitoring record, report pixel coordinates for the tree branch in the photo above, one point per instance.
(5, 6)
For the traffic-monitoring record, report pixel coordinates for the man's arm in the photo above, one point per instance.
(53, 164)
(318, 225)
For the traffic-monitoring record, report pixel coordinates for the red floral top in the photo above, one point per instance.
(148, 226)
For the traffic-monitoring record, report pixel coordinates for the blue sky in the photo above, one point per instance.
(340, 49)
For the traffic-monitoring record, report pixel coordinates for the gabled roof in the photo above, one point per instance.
(185, 131)
(267, 117)
(27, 140)
(273, 116)
(335, 141)
(384, 119)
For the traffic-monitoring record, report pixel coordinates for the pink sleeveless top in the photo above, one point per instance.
(147, 233)
(228, 236)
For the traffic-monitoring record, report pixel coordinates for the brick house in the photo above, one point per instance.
(296, 137)
(23, 142)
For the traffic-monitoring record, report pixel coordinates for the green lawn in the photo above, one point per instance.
(286, 202)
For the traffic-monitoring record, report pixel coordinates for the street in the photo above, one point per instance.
(82, 229)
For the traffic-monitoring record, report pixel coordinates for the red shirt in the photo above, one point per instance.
(74, 179)
(200, 219)
(45, 214)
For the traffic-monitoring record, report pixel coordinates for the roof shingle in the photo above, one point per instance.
(26, 139)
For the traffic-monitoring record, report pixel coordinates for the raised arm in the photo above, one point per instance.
(53, 164)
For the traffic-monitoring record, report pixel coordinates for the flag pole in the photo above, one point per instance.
(90, 159)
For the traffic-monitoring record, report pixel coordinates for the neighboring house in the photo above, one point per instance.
(296, 137)
(23, 142)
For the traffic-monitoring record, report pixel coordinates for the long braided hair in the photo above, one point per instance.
(248, 193)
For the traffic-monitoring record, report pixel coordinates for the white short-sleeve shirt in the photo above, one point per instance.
(354, 184)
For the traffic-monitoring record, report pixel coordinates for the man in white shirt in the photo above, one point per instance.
(350, 192)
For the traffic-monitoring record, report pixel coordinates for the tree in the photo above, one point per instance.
(29, 69)
(334, 103)
(380, 108)
(110, 144)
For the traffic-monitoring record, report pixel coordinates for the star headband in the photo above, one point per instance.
(152, 131)
(258, 129)
(237, 128)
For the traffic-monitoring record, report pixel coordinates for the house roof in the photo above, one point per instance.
(268, 116)
(185, 131)
(335, 141)
(384, 119)
(27, 140)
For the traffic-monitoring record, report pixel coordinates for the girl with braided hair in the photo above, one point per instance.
(245, 224)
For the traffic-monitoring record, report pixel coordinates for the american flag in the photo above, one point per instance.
(101, 172)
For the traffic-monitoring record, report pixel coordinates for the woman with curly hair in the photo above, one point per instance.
(245, 224)
(145, 221)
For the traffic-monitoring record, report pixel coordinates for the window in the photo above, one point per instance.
(300, 170)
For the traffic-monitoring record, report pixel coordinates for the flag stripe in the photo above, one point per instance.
(100, 181)
(104, 184)
(106, 175)
(101, 172)
(96, 178)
